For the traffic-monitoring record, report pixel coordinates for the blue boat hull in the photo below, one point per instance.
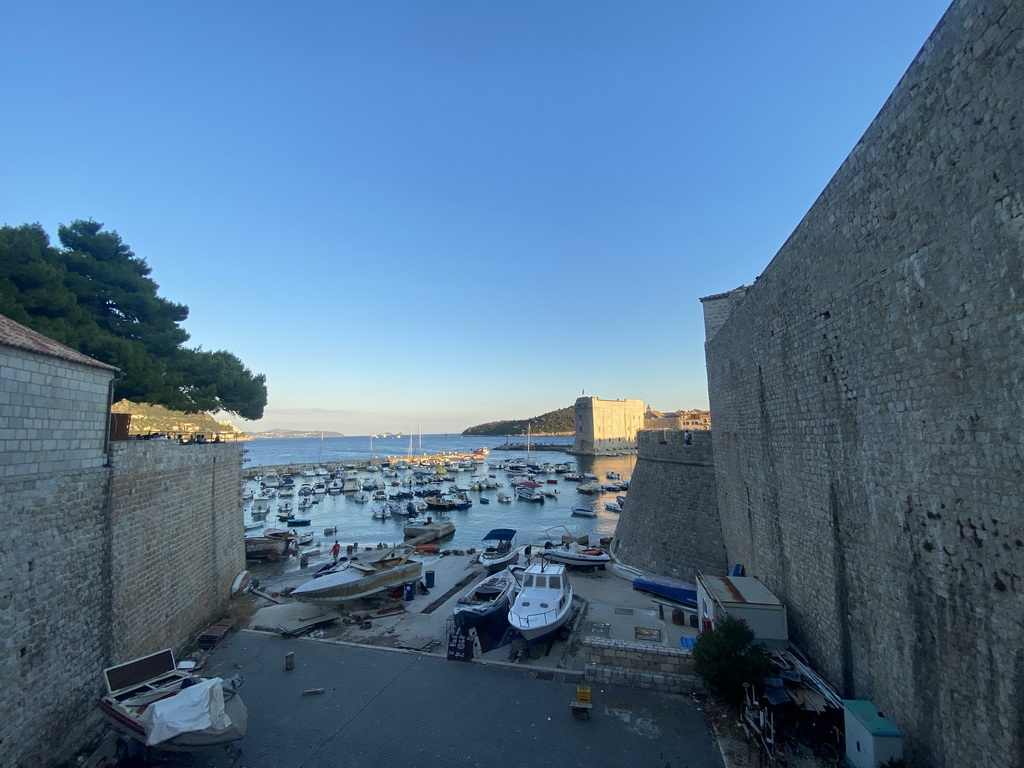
(663, 586)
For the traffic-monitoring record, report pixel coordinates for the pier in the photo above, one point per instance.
(428, 461)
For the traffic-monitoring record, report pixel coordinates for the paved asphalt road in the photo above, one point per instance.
(399, 709)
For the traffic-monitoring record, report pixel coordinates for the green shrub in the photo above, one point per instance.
(727, 657)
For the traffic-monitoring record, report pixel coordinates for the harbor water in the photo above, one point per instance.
(534, 521)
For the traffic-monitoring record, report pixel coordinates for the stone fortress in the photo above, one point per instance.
(606, 426)
(866, 460)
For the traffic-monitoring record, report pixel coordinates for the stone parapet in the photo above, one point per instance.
(640, 665)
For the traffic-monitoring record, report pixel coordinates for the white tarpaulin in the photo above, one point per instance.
(195, 708)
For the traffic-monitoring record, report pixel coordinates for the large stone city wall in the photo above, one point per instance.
(866, 396)
(100, 565)
(669, 524)
(176, 539)
(56, 598)
(54, 414)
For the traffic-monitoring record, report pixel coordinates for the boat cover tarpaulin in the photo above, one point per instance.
(197, 708)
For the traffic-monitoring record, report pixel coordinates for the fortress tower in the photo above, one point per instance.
(607, 426)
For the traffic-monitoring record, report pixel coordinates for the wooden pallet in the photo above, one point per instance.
(215, 633)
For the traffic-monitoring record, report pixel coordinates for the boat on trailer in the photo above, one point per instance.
(543, 603)
(359, 578)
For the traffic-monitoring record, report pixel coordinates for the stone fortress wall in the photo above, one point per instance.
(669, 524)
(101, 560)
(606, 426)
(866, 397)
(176, 535)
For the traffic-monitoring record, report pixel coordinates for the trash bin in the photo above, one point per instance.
(429, 579)
(410, 590)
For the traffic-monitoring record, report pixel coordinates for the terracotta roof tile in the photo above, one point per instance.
(14, 334)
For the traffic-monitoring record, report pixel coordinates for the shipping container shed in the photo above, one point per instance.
(871, 738)
(746, 598)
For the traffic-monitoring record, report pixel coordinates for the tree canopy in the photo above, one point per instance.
(94, 295)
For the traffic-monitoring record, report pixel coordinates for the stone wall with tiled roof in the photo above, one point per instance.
(16, 335)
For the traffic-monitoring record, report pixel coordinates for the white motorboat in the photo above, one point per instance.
(543, 603)
(360, 579)
(361, 497)
(504, 498)
(613, 506)
(575, 554)
(583, 512)
(500, 550)
(525, 492)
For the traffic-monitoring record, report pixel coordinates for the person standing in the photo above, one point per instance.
(336, 550)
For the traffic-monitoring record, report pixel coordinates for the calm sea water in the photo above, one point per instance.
(533, 521)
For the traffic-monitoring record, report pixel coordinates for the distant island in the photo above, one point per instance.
(293, 433)
(553, 423)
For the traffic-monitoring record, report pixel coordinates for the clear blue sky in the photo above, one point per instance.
(427, 215)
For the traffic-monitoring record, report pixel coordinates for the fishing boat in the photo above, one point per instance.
(543, 603)
(448, 501)
(529, 492)
(269, 546)
(360, 579)
(155, 703)
(485, 606)
(500, 550)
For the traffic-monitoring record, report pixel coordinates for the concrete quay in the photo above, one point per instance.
(391, 697)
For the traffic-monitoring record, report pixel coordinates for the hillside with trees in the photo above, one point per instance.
(94, 295)
(152, 419)
(560, 422)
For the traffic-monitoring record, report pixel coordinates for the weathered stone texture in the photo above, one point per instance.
(176, 536)
(52, 414)
(669, 523)
(55, 593)
(866, 397)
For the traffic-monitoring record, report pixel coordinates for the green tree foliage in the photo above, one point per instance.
(560, 422)
(94, 295)
(727, 657)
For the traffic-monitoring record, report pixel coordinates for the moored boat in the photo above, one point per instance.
(583, 512)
